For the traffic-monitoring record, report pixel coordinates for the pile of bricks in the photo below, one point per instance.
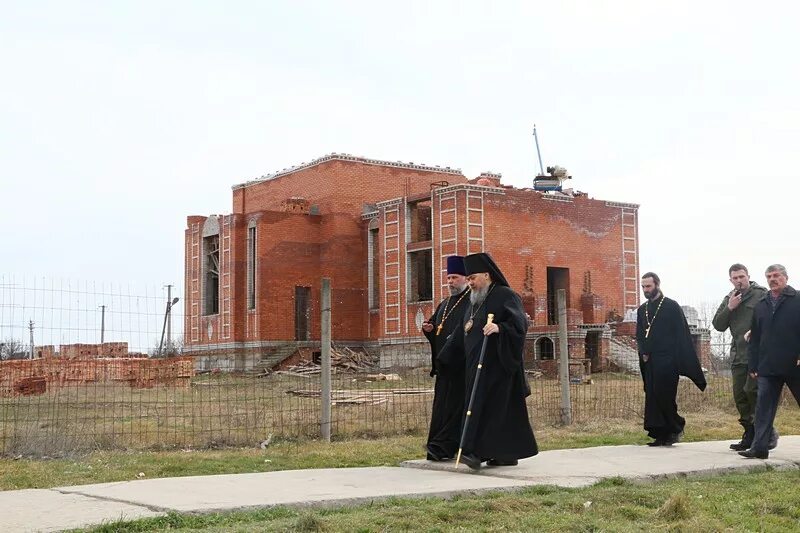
(28, 377)
(30, 386)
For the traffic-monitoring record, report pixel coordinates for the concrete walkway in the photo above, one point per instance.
(70, 507)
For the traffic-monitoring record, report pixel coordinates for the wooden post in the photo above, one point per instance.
(563, 358)
(325, 353)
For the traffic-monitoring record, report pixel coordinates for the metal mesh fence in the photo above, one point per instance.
(79, 394)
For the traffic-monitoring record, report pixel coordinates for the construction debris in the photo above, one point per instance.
(384, 377)
(304, 369)
(30, 386)
(342, 358)
(350, 396)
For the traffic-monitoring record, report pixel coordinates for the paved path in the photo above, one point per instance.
(69, 507)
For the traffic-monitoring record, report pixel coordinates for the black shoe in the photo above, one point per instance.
(434, 455)
(753, 454)
(502, 462)
(748, 436)
(740, 446)
(471, 461)
(658, 442)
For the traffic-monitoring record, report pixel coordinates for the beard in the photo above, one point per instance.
(456, 289)
(651, 294)
(478, 295)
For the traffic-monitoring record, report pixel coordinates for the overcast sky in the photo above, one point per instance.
(119, 119)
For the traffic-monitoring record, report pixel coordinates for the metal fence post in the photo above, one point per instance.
(325, 353)
(563, 358)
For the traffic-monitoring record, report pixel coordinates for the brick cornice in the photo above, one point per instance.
(622, 204)
(469, 187)
(389, 203)
(355, 159)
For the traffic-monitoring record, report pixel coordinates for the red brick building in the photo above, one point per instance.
(381, 231)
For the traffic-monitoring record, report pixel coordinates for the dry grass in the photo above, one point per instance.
(116, 465)
(229, 410)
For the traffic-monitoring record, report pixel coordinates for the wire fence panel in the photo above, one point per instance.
(98, 376)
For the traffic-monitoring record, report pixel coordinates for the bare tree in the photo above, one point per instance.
(172, 348)
(11, 349)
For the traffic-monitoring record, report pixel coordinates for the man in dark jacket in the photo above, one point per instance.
(736, 312)
(448, 395)
(774, 354)
(666, 352)
(497, 428)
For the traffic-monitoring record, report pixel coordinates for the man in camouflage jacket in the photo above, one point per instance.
(736, 313)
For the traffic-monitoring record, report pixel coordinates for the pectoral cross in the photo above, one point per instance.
(647, 332)
(439, 329)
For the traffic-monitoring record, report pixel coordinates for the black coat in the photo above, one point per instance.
(669, 338)
(498, 427)
(774, 347)
(448, 314)
(448, 396)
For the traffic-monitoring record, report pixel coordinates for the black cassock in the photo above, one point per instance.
(448, 396)
(498, 427)
(672, 354)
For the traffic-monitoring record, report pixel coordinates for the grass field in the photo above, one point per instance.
(229, 410)
(753, 502)
(106, 466)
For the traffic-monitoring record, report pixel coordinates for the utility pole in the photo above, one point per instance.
(169, 317)
(30, 325)
(102, 324)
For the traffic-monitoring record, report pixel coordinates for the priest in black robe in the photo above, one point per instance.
(666, 352)
(497, 429)
(448, 395)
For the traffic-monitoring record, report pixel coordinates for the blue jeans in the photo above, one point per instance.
(769, 394)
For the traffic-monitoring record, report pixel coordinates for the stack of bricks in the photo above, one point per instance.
(34, 376)
(84, 351)
(30, 386)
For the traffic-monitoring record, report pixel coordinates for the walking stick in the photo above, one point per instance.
(489, 320)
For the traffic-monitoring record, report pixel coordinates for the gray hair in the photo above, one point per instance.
(777, 268)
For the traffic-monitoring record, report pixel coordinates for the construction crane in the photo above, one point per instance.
(555, 176)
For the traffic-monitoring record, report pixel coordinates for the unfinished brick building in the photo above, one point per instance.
(381, 231)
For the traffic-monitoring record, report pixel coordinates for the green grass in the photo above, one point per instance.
(767, 501)
(106, 466)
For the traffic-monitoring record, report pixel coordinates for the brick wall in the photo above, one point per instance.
(340, 184)
(309, 223)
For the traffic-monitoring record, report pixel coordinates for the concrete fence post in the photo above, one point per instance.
(325, 356)
(563, 358)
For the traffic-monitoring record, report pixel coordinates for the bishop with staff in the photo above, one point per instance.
(497, 429)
